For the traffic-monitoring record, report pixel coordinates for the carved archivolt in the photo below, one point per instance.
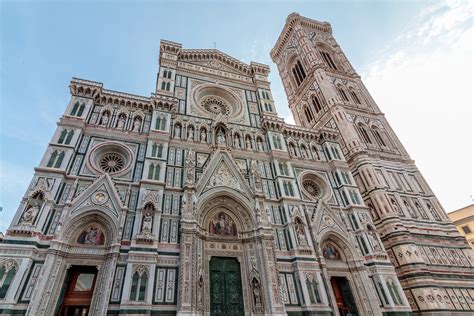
(73, 229)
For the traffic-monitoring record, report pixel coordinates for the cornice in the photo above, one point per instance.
(291, 21)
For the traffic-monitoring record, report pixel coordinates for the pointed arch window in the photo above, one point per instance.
(78, 109)
(288, 188)
(308, 114)
(163, 85)
(277, 142)
(56, 159)
(342, 93)
(160, 123)
(316, 104)
(328, 60)
(139, 284)
(354, 96)
(62, 136)
(298, 72)
(378, 137)
(364, 133)
(154, 172)
(313, 292)
(7, 274)
(168, 86)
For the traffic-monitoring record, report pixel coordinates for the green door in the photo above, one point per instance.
(226, 287)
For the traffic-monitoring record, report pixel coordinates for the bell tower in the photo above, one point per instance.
(324, 90)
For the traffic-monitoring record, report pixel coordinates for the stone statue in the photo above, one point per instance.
(220, 137)
(146, 224)
(190, 133)
(136, 125)
(30, 214)
(257, 176)
(236, 142)
(203, 135)
(190, 164)
(259, 145)
(121, 122)
(105, 119)
(248, 143)
(256, 292)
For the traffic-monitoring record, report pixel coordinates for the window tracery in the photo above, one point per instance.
(215, 105)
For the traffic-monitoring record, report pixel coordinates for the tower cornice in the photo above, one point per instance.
(291, 21)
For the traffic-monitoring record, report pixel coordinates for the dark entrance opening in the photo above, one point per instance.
(79, 287)
(344, 298)
(226, 287)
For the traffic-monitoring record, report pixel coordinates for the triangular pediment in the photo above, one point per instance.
(223, 172)
(102, 195)
(323, 219)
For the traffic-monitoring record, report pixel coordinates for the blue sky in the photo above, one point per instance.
(413, 56)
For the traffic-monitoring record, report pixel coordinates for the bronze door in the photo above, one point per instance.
(79, 290)
(226, 287)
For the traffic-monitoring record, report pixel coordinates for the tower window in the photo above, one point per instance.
(378, 137)
(329, 62)
(308, 114)
(139, 282)
(355, 97)
(343, 94)
(316, 104)
(298, 72)
(364, 133)
(56, 159)
(160, 123)
(78, 109)
(154, 172)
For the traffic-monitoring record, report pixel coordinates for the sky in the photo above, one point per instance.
(415, 57)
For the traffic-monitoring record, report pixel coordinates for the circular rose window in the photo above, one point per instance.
(312, 188)
(215, 105)
(111, 162)
(110, 157)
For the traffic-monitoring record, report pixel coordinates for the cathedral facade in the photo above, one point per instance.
(201, 200)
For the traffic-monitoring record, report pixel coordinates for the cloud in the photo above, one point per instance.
(423, 82)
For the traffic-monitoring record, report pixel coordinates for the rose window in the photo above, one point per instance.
(215, 105)
(111, 162)
(312, 188)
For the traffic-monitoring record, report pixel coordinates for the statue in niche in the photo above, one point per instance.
(177, 131)
(257, 176)
(190, 133)
(147, 223)
(121, 121)
(91, 236)
(222, 225)
(137, 124)
(259, 144)
(300, 233)
(203, 135)
(190, 164)
(248, 143)
(374, 240)
(104, 120)
(220, 137)
(330, 252)
(257, 300)
(34, 206)
(236, 141)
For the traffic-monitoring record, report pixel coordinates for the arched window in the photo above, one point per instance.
(52, 159)
(354, 96)
(70, 134)
(342, 93)
(165, 73)
(293, 150)
(160, 123)
(75, 108)
(316, 104)
(382, 291)
(364, 133)
(308, 114)
(433, 212)
(328, 60)
(59, 161)
(154, 172)
(7, 274)
(62, 136)
(315, 153)
(277, 142)
(81, 109)
(377, 136)
(313, 292)
(169, 74)
(298, 72)
(163, 85)
(154, 149)
(168, 86)
(139, 283)
(393, 289)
